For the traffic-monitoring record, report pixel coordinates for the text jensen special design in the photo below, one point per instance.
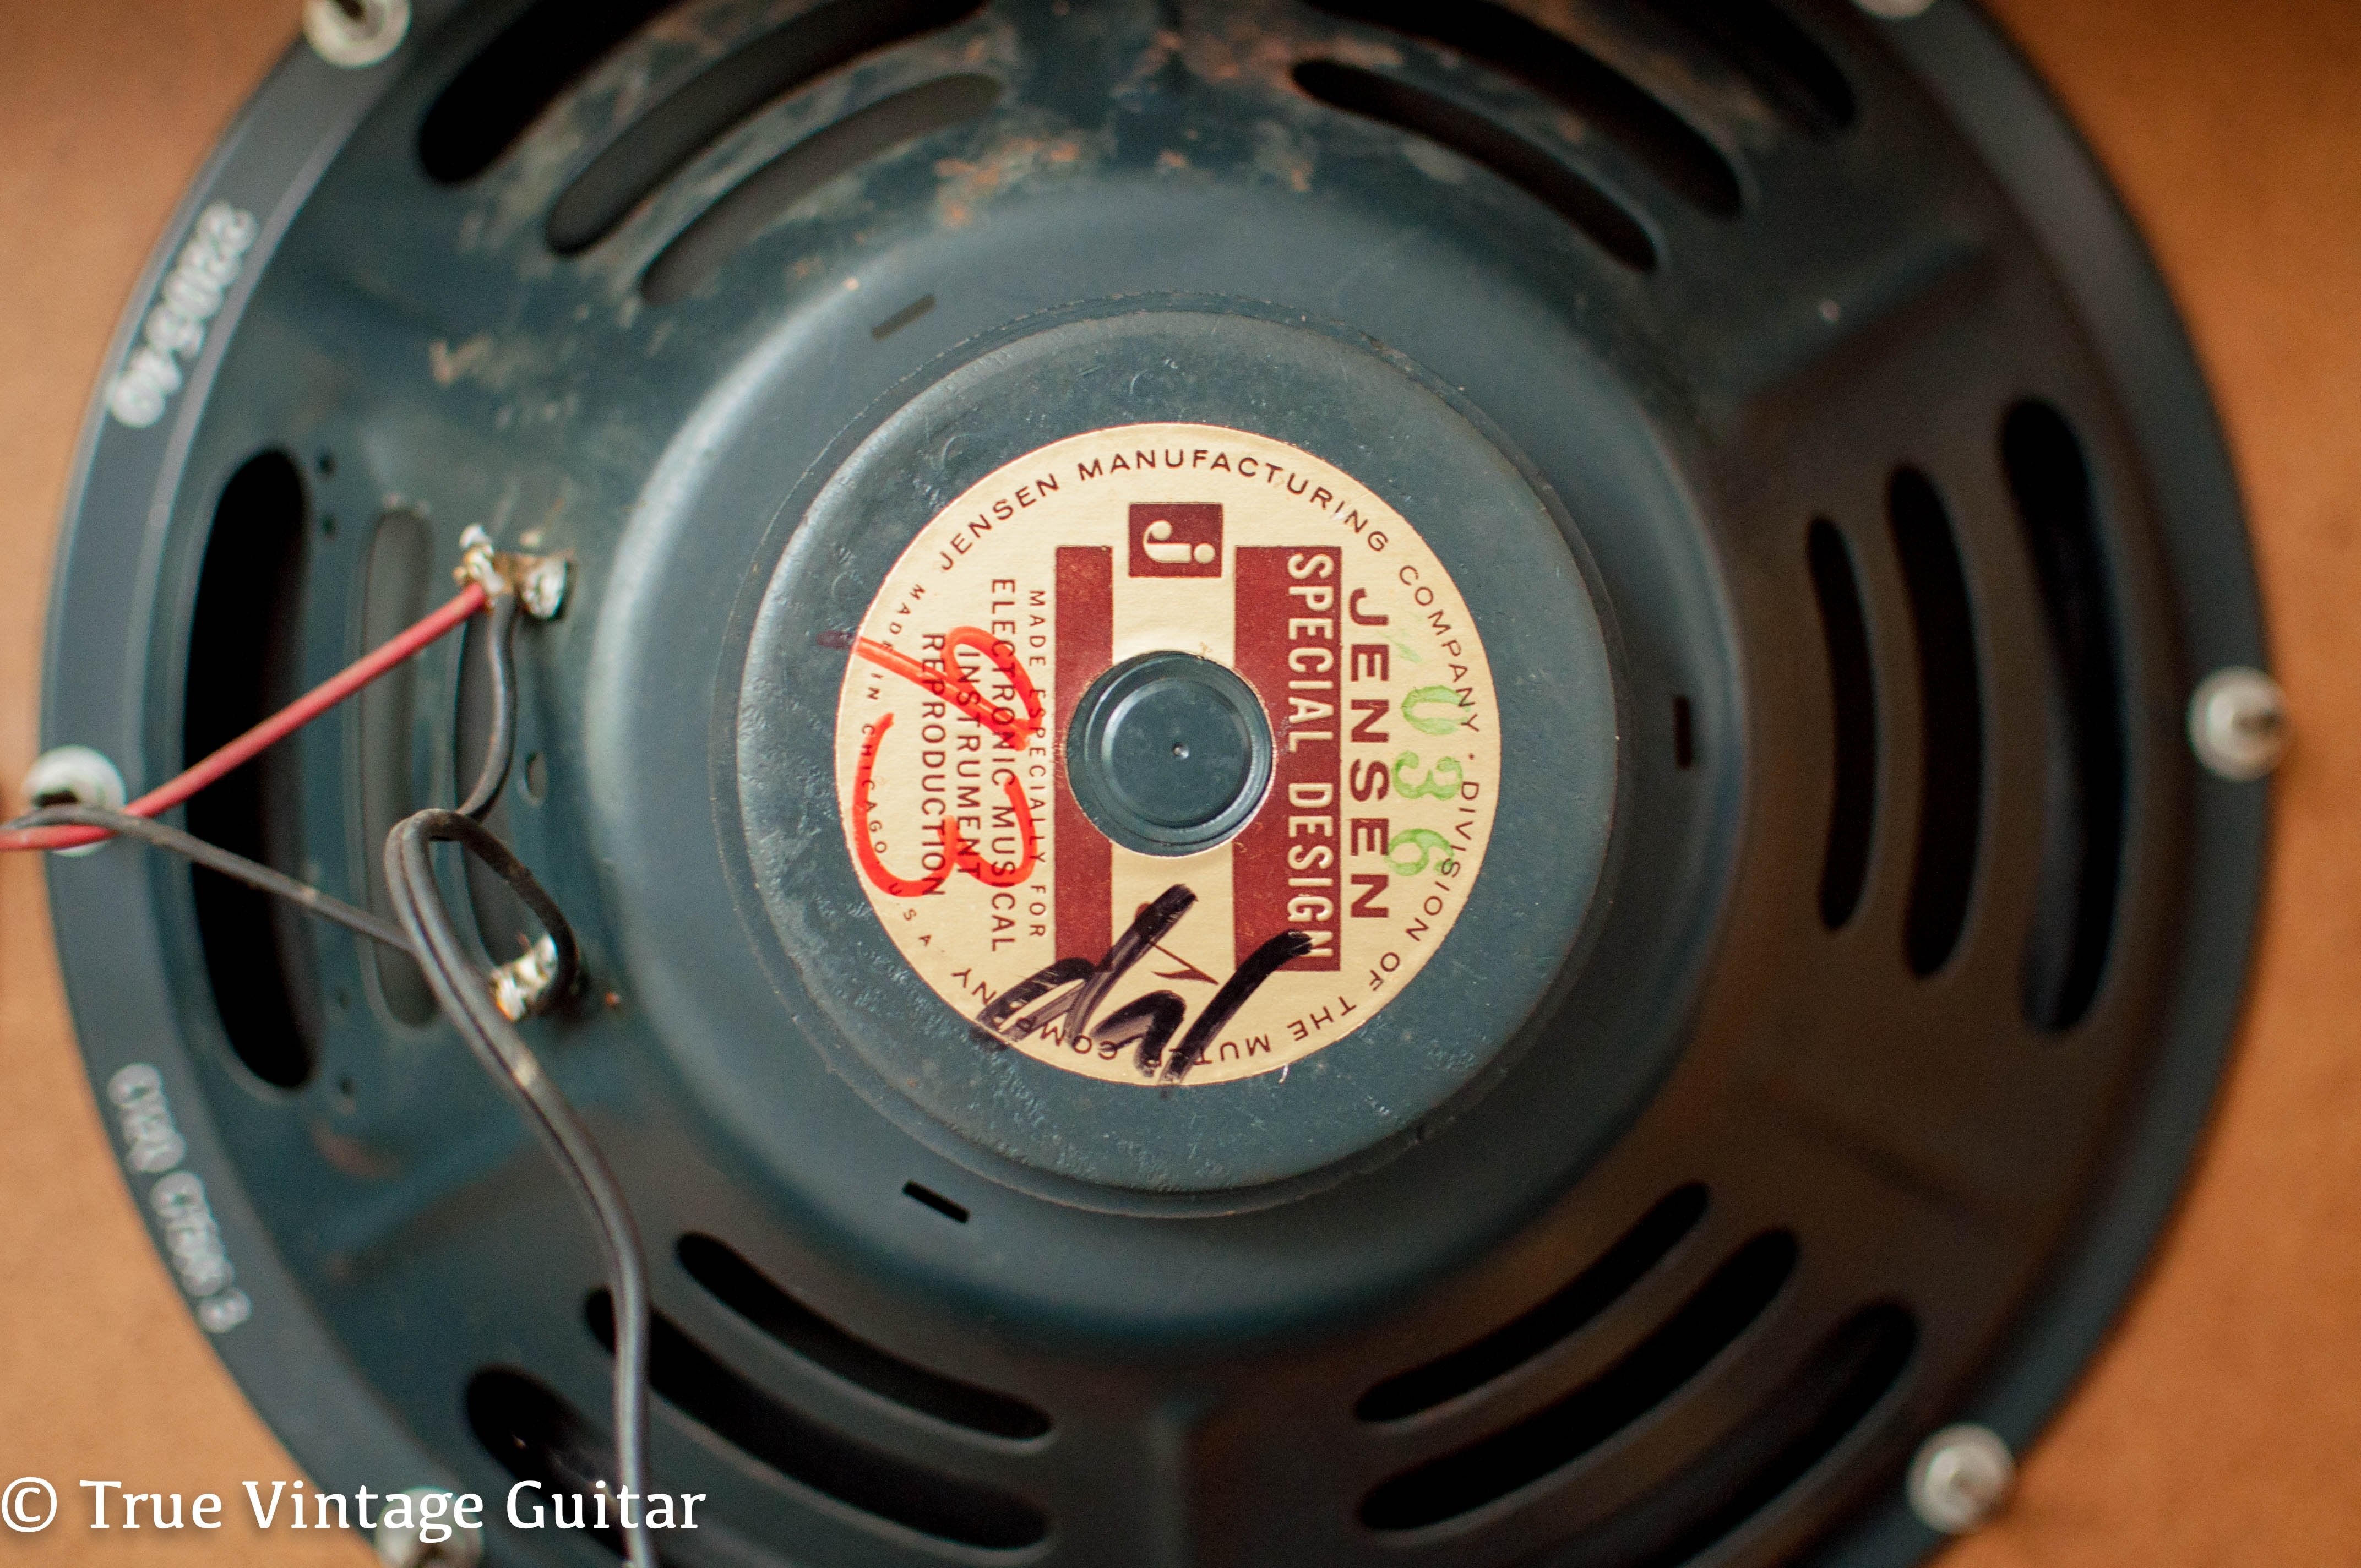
(1353, 773)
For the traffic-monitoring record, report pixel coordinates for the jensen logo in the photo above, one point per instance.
(1176, 541)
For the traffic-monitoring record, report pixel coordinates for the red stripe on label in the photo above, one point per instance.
(1082, 868)
(1286, 865)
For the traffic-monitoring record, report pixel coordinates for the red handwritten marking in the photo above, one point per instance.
(971, 861)
(865, 805)
(958, 853)
(952, 681)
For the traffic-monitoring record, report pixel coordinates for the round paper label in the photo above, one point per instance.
(1375, 797)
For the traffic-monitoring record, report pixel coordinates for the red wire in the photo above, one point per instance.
(276, 728)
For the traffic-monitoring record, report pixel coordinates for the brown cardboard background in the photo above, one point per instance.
(2223, 1424)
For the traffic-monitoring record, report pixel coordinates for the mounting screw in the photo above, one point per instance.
(403, 1547)
(2237, 723)
(1961, 1477)
(75, 775)
(1896, 10)
(355, 33)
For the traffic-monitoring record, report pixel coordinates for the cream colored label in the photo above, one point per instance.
(1237, 961)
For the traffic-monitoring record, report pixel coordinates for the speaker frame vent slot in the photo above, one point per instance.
(746, 1290)
(1853, 702)
(1648, 130)
(1850, 1372)
(534, 1434)
(2083, 812)
(1387, 99)
(787, 59)
(1652, 1372)
(1573, 1307)
(245, 661)
(885, 1486)
(1757, 40)
(396, 576)
(1950, 721)
(701, 249)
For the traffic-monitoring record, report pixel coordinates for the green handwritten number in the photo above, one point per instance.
(1426, 843)
(1418, 711)
(1442, 781)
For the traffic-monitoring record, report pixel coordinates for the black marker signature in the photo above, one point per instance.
(1146, 1023)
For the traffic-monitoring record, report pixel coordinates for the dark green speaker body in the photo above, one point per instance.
(1825, 1037)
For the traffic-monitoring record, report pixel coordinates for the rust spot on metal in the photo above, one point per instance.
(1281, 155)
(969, 184)
(1252, 46)
(1159, 52)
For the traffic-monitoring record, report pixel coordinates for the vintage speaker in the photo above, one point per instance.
(1355, 783)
